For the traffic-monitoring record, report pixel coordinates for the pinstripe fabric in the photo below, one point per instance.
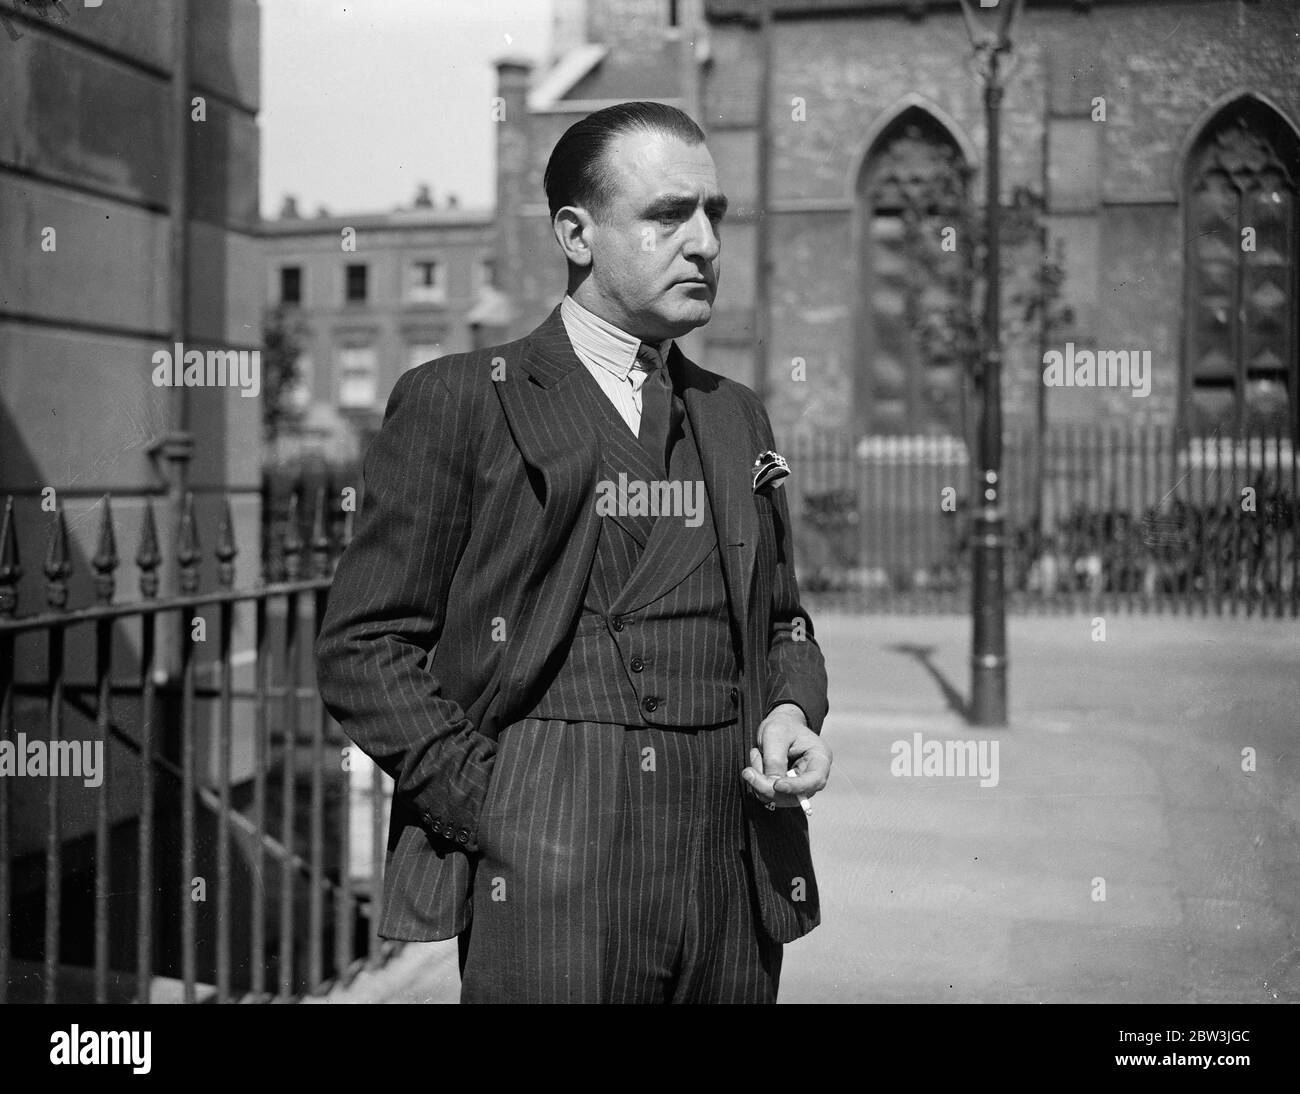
(654, 625)
(708, 947)
(613, 871)
(453, 608)
(545, 837)
(614, 863)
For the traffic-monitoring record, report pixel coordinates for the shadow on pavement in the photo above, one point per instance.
(923, 656)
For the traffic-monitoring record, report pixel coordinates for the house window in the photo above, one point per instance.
(357, 376)
(427, 282)
(913, 184)
(1240, 369)
(485, 273)
(419, 352)
(355, 277)
(290, 284)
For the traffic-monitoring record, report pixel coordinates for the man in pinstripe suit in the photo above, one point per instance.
(589, 711)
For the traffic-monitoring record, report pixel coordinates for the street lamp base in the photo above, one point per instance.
(988, 705)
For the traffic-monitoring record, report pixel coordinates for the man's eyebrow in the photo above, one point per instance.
(715, 205)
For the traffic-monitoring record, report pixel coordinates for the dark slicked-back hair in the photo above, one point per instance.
(579, 172)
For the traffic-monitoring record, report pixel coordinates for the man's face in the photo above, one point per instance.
(655, 254)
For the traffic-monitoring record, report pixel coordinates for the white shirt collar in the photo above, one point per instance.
(598, 339)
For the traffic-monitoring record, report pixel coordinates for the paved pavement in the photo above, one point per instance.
(1122, 762)
(1120, 776)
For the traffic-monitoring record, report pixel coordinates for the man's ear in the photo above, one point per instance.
(573, 229)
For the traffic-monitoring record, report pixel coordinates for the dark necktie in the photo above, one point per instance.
(656, 406)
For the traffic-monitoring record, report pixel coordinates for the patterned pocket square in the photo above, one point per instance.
(769, 469)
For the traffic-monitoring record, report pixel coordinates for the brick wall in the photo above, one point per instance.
(1160, 68)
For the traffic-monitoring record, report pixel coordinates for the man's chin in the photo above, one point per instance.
(686, 317)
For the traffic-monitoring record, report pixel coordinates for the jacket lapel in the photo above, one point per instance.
(719, 425)
(549, 412)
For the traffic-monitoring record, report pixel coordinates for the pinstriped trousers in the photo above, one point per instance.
(613, 870)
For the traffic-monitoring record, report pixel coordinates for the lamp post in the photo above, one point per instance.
(990, 25)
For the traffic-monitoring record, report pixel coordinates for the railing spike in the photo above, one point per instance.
(292, 541)
(187, 548)
(105, 560)
(58, 566)
(320, 543)
(10, 568)
(148, 558)
(226, 549)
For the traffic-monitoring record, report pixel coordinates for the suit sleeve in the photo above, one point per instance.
(796, 667)
(387, 608)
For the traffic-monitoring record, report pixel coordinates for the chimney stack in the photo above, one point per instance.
(513, 161)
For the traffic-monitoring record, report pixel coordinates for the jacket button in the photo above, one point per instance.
(618, 623)
(637, 664)
(650, 705)
(735, 696)
(462, 836)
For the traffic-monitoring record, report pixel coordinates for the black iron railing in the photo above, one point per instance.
(115, 905)
(1144, 519)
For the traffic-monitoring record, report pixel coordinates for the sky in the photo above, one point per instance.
(362, 100)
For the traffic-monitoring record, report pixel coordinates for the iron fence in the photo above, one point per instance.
(1132, 518)
(206, 748)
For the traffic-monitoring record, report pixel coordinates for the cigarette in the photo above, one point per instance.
(804, 803)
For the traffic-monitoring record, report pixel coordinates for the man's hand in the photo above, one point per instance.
(786, 743)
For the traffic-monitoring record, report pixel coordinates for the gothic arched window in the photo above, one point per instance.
(1240, 368)
(912, 186)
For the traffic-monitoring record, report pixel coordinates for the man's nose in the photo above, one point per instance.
(701, 238)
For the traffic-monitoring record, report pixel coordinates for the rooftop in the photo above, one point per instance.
(395, 220)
